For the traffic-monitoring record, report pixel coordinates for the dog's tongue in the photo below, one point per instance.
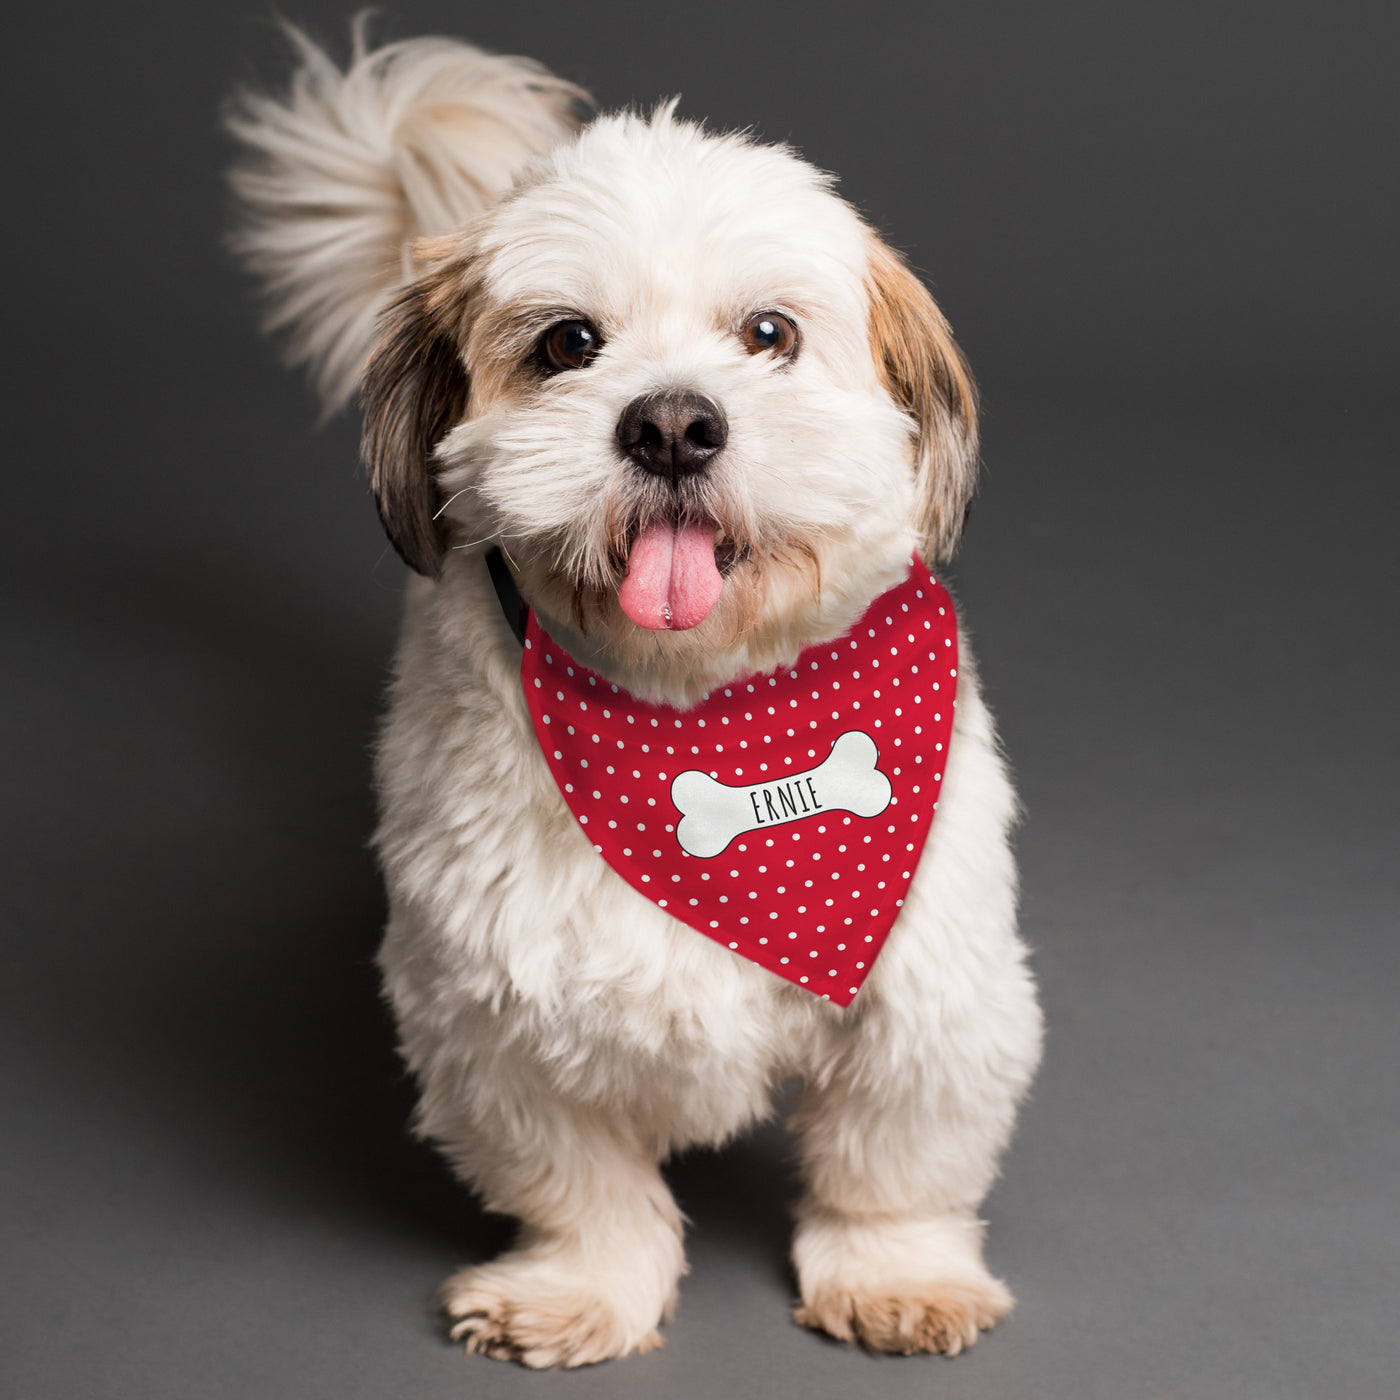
(672, 582)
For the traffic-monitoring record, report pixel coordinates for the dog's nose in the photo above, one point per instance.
(672, 434)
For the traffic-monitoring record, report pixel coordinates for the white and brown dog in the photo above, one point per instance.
(707, 415)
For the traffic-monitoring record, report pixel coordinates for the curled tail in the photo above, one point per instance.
(342, 171)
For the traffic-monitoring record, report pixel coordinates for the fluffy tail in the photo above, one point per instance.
(345, 169)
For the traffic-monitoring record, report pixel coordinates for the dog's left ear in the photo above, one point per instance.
(413, 391)
(925, 374)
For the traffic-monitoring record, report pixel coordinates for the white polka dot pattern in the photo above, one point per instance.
(808, 891)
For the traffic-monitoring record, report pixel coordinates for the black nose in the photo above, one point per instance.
(672, 434)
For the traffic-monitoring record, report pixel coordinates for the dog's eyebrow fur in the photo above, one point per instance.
(511, 331)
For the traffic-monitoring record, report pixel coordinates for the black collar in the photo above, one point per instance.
(515, 608)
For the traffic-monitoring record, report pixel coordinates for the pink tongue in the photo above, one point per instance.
(672, 582)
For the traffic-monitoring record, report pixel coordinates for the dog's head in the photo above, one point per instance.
(704, 409)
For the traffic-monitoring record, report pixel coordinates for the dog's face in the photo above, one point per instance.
(706, 412)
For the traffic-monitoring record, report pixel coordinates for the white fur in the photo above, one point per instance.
(566, 1033)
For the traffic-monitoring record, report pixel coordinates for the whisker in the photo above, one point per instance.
(449, 501)
(472, 544)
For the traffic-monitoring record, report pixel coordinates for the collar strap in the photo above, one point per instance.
(514, 607)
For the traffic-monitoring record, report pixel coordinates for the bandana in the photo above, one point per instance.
(784, 815)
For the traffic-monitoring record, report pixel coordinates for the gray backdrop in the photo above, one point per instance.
(1166, 235)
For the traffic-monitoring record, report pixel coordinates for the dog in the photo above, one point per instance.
(671, 388)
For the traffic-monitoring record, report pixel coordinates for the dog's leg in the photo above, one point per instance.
(599, 1255)
(900, 1139)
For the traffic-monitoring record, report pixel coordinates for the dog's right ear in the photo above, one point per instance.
(413, 391)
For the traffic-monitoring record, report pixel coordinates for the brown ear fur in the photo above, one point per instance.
(926, 375)
(414, 389)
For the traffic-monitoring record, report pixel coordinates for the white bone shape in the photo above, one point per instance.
(713, 813)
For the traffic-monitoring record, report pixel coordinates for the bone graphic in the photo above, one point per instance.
(713, 813)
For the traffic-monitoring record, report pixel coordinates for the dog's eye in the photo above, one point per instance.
(569, 345)
(767, 331)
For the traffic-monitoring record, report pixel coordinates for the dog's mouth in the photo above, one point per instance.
(675, 573)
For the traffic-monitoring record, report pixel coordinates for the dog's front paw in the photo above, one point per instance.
(522, 1309)
(942, 1315)
(892, 1284)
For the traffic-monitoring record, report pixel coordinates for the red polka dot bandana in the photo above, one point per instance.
(784, 815)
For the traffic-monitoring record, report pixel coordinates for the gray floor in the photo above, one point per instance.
(1189, 639)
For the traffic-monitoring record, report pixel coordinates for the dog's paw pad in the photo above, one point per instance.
(944, 1315)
